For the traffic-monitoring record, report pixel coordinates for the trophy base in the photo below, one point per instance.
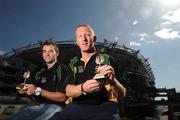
(99, 76)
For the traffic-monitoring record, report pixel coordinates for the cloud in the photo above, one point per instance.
(167, 33)
(133, 43)
(170, 3)
(173, 16)
(143, 36)
(166, 23)
(135, 22)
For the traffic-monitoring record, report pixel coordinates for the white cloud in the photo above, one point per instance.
(133, 43)
(143, 36)
(163, 25)
(135, 22)
(166, 33)
(170, 3)
(166, 23)
(173, 16)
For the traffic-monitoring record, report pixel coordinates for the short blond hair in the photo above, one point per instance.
(86, 25)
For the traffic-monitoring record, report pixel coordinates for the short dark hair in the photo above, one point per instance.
(51, 42)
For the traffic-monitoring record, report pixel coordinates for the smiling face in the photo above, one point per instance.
(49, 54)
(85, 38)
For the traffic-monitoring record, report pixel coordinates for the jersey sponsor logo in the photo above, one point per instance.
(43, 79)
(80, 69)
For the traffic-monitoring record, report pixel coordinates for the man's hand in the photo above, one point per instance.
(19, 88)
(118, 89)
(29, 89)
(107, 71)
(91, 86)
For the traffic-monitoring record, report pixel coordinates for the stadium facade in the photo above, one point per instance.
(134, 72)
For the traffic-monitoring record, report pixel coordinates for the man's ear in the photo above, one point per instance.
(57, 55)
(94, 38)
(76, 43)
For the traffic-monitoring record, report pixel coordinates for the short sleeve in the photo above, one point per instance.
(66, 76)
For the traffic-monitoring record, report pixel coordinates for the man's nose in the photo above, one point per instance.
(84, 37)
(47, 53)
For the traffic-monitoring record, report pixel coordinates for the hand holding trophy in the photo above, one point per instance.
(26, 75)
(98, 76)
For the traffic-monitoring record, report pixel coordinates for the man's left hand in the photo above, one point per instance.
(107, 71)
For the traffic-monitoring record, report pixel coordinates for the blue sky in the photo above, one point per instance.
(151, 26)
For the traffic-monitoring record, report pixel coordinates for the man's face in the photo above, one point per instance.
(49, 54)
(84, 38)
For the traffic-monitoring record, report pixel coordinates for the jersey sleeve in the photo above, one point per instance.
(114, 64)
(66, 77)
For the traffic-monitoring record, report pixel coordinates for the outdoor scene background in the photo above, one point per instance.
(151, 26)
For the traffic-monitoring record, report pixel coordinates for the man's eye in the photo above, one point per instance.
(88, 34)
(51, 51)
(80, 36)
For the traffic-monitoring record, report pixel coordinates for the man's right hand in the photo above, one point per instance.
(21, 88)
(91, 86)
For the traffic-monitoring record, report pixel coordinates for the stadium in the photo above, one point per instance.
(134, 72)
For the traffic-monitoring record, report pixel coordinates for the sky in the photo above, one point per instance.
(151, 26)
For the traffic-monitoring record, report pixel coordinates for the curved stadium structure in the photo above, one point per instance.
(134, 72)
